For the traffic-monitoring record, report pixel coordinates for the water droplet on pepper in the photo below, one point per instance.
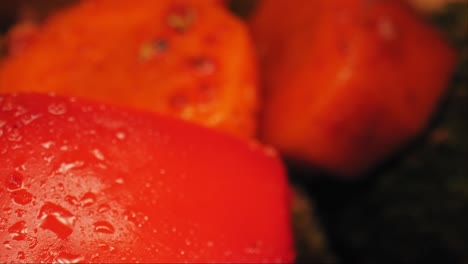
(21, 255)
(14, 181)
(21, 197)
(104, 227)
(56, 219)
(88, 199)
(18, 230)
(65, 257)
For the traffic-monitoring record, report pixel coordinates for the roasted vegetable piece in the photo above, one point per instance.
(190, 59)
(87, 182)
(347, 81)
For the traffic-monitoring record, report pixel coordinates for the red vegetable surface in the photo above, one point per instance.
(347, 82)
(89, 182)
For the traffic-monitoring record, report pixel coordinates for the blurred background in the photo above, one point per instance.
(412, 209)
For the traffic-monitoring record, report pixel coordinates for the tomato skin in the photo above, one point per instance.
(347, 82)
(89, 182)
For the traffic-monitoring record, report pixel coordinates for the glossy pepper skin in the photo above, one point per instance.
(347, 81)
(88, 182)
(189, 59)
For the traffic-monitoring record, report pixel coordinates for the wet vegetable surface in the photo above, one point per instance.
(93, 183)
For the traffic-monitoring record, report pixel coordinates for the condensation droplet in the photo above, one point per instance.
(20, 110)
(32, 242)
(64, 148)
(103, 208)
(65, 167)
(119, 181)
(72, 200)
(56, 219)
(14, 181)
(20, 212)
(7, 210)
(48, 159)
(104, 227)
(102, 166)
(57, 109)
(137, 218)
(21, 197)
(88, 199)
(29, 118)
(7, 245)
(105, 247)
(95, 255)
(21, 255)
(65, 257)
(18, 230)
(98, 154)
(120, 135)
(47, 144)
(14, 135)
